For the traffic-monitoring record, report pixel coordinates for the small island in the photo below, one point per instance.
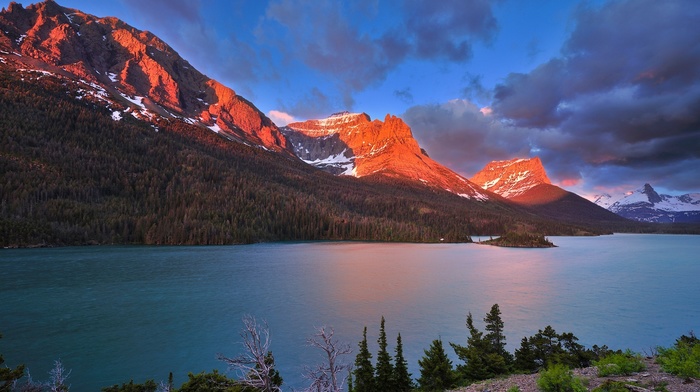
(520, 240)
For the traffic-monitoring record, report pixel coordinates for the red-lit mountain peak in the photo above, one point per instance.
(130, 67)
(353, 144)
(513, 177)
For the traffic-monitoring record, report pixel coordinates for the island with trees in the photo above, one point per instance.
(520, 240)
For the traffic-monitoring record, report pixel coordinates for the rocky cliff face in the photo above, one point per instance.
(353, 144)
(511, 178)
(134, 67)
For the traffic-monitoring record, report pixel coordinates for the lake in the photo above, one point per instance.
(114, 313)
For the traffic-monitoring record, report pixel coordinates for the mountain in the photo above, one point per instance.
(109, 136)
(646, 205)
(511, 178)
(132, 71)
(525, 183)
(355, 145)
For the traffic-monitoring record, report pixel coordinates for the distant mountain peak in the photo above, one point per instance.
(651, 194)
(512, 177)
(646, 205)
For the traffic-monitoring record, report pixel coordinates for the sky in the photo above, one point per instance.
(605, 92)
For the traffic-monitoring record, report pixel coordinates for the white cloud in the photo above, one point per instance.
(281, 118)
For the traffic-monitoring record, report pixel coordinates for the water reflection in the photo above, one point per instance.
(117, 313)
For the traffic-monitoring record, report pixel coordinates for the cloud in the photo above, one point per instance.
(461, 136)
(404, 95)
(313, 104)
(181, 24)
(162, 12)
(446, 29)
(281, 118)
(624, 96)
(326, 36)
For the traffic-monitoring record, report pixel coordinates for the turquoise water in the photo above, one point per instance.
(116, 313)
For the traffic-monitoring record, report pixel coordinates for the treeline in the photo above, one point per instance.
(71, 175)
(483, 357)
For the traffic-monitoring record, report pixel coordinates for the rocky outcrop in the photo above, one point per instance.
(133, 65)
(353, 144)
(513, 177)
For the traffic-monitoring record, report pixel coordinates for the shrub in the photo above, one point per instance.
(620, 364)
(514, 388)
(612, 386)
(683, 359)
(559, 378)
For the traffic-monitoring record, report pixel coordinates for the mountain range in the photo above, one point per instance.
(646, 205)
(111, 137)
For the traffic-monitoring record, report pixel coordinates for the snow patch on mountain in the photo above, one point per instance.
(513, 177)
(645, 204)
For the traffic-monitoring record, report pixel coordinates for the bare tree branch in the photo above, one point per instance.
(256, 366)
(327, 377)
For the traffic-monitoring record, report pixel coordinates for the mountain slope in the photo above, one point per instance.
(525, 183)
(646, 205)
(353, 144)
(134, 70)
(73, 175)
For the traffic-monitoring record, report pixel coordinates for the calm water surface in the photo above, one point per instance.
(116, 313)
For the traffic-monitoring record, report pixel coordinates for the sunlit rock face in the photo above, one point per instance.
(353, 144)
(135, 67)
(525, 183)
(513, 177)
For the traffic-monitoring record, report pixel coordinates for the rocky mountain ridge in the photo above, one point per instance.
(646, 205)
(513, 177)
(132, 70)
(353, 144)
(524, 182)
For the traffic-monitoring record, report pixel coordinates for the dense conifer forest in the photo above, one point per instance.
(72, 175)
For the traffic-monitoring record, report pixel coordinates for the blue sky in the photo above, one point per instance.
(607, 93)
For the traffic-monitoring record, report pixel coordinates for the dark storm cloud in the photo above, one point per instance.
(325, 35)
(404, 95)
(625, 92)
(320, 35)
(447, 28)
(459, 135)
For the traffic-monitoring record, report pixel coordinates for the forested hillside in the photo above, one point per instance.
(71, 174)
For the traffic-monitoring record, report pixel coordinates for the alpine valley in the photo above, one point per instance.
(109, 136)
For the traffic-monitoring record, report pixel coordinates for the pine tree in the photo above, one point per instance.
(364, 371)
(495, 336)
(385, 369)
(9, 376)
(436, 372)
(481, 362)
(402, 378)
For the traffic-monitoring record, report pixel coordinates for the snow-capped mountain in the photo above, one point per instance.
(512, 177)
(353, 144)
(525, 182)
(130, 71)
(646, 205)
